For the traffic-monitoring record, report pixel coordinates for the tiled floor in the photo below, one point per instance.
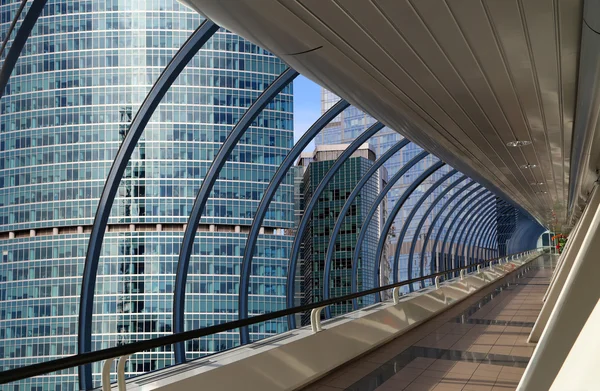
(478, 345)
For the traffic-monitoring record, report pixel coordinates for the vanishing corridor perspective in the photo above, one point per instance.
(169, 218)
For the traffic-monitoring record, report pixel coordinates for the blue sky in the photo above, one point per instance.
(307, 106)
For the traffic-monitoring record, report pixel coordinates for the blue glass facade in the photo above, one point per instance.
(345, 128)
(83, 74)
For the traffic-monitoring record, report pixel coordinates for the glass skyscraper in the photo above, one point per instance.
(322, 221)
(351, 123)
(82, 76)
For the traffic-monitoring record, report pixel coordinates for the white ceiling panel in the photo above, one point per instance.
(460, 78)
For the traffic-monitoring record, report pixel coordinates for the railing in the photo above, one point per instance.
(124, 351)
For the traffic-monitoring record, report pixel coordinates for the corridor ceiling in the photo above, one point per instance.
(461, 78)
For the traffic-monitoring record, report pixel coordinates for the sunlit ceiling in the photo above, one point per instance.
(461, 78)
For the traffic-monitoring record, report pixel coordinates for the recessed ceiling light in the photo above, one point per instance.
(541, 192)
(524, 166)
(518, 143)
(536, 183)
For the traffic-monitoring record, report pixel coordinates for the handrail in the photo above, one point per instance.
(135, 347)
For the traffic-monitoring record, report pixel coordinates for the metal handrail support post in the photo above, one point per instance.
(569, 262)
(575, 303)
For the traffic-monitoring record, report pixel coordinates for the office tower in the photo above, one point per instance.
(82, 76)
(323, 218)
(344, 129)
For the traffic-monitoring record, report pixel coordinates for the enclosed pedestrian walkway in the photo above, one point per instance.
(478, 345)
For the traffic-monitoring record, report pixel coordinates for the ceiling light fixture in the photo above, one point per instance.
(518, 143)
(541, 192)
(536, 183)
(524, 166)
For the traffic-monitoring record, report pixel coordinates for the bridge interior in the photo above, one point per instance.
(481, 344)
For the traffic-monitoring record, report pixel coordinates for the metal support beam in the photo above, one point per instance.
(568, 264)
(266, 199)
(466, 225)
(369, 216)
(342, 214)
(417, 233)
(18, 43)
(295, 252)
(477, 243)
(12, 26)
(187, 243)
(433, 264)
(475, 239)
(457, 219)
(394, 212)
(488, 237)
(466, 197)
(574, 305)
(411, 216)
(187, 51)
(499, 231)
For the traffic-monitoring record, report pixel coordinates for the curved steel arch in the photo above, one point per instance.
(447, 218)
(484, 192)
(392, 216)
(369, 216)
(498, 231)
(473, 230)
(488, 235)
(34, 12)
(482, 230)
(12, 26)
(342, 214)
(187, 243)
(412, 213)
(435, 268)
(480, 238)
(291, 277)
(473, 213)
(187, 51)
(413, 244)
(265, 201)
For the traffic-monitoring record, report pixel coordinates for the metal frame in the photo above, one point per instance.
(392, 216)
(369, 216)
(412, 213)
(187, 243)
(342, 214)
(291, 277)
(473, 214)
(34, 12)
(448, 202)
(265, 201)
(413, 244)
(12, 26)
(417, 233)
(467, 196)
(488, 238)
(484, 193)
(473, 238)
(88, 283)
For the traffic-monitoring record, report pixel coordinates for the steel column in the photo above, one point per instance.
(291, 277)
(266, 199)
(187, 243)
(342, 214)
(411, 215)
(388, 224)
(187, 51)
(36, 8)
(361, 235)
